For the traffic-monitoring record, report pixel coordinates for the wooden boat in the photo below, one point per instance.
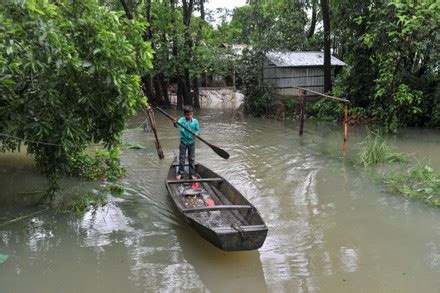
(216, 210)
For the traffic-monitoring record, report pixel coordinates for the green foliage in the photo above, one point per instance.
(291, 106)
(258, 96)
(393, 51)
(116, 189)
(259, 99)
(103, 165)
(325, 110)
(69, 76)
(420, 182)
(268, 25)
(82, 203)
(375, 151)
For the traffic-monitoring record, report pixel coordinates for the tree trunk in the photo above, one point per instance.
(148, 33)
(196, 93)
(148, 87)
(179, 95)
(126, 9)
(187, 97)
(327, 46)
(311, 31)
(158, 91)
(147, 79)
(202, 9)
(187, 8)
(179, 102)
(164, 86)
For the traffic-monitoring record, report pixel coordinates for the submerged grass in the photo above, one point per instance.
(116, 189)
(82, 203)
(420, 182)
(411, 179)
(374, 150)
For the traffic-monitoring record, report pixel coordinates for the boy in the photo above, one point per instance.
(187, 141)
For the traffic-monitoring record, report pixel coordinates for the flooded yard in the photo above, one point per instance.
(332, 227)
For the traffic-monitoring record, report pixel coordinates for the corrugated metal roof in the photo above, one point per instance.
(297, 59)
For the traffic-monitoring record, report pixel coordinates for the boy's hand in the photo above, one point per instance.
(174, 122)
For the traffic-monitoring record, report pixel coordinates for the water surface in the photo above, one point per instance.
(332, 228)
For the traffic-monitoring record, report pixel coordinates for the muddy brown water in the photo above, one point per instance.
(332, 228)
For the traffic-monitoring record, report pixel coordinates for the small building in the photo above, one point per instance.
(302, 69)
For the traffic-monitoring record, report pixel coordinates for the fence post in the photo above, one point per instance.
(152, 122)
(344, 147)
(303, 110)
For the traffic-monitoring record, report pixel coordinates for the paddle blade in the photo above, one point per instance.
(222, 153)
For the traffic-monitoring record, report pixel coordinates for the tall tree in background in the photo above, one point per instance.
(202, 9)
(311, 30)
(147, 78)
(187, 10)
(327, 45)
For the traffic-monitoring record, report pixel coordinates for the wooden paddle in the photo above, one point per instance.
(222, 153)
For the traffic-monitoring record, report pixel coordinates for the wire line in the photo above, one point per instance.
(28, 140)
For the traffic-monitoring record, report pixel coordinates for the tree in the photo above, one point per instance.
(69, 77)
(311, 30)
(393, 57)
(270, 25)
(327, 45)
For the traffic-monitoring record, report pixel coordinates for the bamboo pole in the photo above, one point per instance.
(303, 110)
(322, 95)
(22, 218)
(344, 147)
(152, 122)
(303, 106)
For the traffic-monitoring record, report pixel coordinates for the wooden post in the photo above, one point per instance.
(233, 78)
(303, 110)
(344, 147)
(152, 122)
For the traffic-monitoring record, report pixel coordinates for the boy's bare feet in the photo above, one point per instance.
(178, 177)
(194, 177)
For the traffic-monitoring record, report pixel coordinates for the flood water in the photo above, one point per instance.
(332, 227)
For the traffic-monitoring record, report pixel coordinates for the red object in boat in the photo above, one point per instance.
(210, 202)
(195, 185)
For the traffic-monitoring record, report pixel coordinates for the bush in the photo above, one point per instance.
(103, 165)
(325, 110)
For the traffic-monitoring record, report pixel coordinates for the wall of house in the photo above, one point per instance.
(283, 78)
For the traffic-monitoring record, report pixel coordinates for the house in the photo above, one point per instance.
(302, 69)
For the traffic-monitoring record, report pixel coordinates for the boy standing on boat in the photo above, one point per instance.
(187, 141)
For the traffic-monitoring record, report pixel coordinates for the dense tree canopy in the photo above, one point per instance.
(268, 25)
(69, 76)
(392, 48)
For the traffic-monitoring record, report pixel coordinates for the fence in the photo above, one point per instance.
(303, 109)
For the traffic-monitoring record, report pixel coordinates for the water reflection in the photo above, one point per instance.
(349, 259)
(100, 224)
(221, 271)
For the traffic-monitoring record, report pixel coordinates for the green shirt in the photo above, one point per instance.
(185, 136)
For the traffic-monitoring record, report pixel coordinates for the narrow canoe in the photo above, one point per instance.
(216, 210)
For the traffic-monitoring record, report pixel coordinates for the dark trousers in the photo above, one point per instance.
(191, 158)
